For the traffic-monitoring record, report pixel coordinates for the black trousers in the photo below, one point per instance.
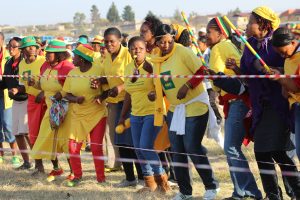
(266, 164)
(128, 153)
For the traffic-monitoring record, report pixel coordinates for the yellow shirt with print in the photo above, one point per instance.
(85, 116)
(7, 101)
(31, 69)
(218, 56)
(182, 62)
(290, 66)
(116, 68)
(140, 104)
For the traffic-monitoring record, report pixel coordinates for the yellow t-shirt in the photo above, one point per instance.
(141, 106)
(31, 69)
(182, 62)
(85, 116)
(218, 56)
(116, 68)
(290, 66)
(155, 52)
(7, 101)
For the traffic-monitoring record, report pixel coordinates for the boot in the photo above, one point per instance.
(150, 184)
(162, 182)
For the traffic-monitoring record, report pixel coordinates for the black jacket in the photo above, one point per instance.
(9, 83)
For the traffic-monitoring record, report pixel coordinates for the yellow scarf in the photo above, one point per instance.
(159, 102)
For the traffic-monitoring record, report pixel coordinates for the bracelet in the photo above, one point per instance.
(188, 85)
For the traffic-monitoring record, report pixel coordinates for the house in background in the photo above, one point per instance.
(240, 20)
(290, 15)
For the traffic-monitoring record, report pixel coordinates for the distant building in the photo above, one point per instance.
(290, 15)
(240, 20)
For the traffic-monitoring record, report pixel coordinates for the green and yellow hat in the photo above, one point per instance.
(85, 51)
(83, 40)
(99, 40)
(28, 41)
(56, 46)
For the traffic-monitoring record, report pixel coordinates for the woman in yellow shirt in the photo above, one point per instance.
(235, 107)
(142, 115)
(36, 107)
(88, 115)
(147, 31)
(288, 47)
(188, 115)
(117, 59)
(52, 141)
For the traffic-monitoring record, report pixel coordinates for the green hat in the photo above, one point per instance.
(28, 41)
(56, 46)
(83, 40)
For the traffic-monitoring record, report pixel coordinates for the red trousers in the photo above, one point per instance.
(96, 135)
(36, 113)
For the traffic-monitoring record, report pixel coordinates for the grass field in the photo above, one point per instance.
(20, 185)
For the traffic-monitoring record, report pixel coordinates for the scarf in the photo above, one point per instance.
(159, 102)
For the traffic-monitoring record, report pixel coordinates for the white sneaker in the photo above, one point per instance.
(140, 184)
(211, 194)
(180, 196)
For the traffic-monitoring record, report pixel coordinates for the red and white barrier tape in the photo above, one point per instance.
(158, 76)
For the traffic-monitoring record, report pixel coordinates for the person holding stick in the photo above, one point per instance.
(270, 109)
(225, 59)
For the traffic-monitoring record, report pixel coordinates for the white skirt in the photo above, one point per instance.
(19, 117)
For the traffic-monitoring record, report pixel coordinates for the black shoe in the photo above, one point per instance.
(88, 148)
(25, 166)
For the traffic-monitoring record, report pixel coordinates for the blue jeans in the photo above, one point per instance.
(6, 124)
(297, 128)
(244, 182)
(190, 143)
(144, 134)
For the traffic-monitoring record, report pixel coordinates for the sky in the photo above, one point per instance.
(29, 12)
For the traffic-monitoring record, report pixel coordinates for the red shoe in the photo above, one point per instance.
(70, 177)
(54, 173)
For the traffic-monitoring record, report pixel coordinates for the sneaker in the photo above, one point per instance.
(70, 177)
(1, 159)
(140, 184)
(173, 184)
(124, 183)
(15, 161)
(24, 166)
(74, 182)
(180, 196)
(54, 173)
(211, 194)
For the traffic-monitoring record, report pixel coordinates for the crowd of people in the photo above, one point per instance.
(62, 100)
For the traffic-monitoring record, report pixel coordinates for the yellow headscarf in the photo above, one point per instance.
(268, 14)
(159, 102)
(179, 29)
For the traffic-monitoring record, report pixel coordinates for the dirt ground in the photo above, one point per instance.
(20, 185)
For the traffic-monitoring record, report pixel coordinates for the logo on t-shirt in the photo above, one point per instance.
(167, 82)
(26, 75)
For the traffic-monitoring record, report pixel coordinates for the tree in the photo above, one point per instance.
(128, 14)
(150, 13)
(79, 22)
(78, 19)
(192, 15)
(177, 15)
(113, 14)
(95, 15)
(234, 12)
